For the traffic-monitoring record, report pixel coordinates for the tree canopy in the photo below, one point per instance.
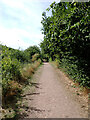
(32, 50)
(66, 37)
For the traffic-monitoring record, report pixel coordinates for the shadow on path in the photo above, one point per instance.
(35, 84)
(31, 94)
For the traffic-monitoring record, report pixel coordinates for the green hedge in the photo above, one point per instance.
(66, 35)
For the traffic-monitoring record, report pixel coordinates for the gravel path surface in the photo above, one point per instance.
(52, 98)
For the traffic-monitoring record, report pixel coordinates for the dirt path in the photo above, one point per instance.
(52, 98)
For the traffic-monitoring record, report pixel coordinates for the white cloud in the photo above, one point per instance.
(10, 38)
(13, 3)
(15, 38)
(20, 22)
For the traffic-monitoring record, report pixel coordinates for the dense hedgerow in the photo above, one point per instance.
(66, 35)
(12, 66)
(17, 69)
(10, 70)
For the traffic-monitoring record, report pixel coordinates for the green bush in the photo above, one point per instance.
(17, 70)
(76, 73)
(10, 70)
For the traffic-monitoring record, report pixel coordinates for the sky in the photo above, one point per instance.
(20, 22)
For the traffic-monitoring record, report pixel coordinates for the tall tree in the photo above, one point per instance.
(66, 35)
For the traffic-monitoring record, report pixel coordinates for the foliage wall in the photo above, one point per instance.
(17, 68)
(66, 38)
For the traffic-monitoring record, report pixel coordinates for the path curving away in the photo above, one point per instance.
(51, 98)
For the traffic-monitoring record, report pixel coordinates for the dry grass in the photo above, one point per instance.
(14, 89)
(30, 69)
(35, 65)
(27, 72)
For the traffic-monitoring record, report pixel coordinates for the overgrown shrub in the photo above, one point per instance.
(10, 72)
(17, 70)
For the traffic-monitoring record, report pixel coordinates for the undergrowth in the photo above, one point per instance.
(73, 72)
(16, 74)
